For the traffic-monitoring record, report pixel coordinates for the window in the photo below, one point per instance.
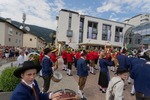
(81, 30)
(16, 33)
(9, 39)
(119, 34)
(16, 40)
(70, 21)
(20, 34)
(92, 30)
(19, 41)
(10, 31)
(106, 32)
(30, 39)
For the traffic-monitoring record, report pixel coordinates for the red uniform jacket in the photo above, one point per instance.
(77, 55)
(70, 57)
(41, 56)
(53, 57)
(64, 54)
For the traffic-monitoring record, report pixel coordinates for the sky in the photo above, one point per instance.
(43, 12)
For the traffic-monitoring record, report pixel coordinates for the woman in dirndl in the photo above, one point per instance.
(104, 76)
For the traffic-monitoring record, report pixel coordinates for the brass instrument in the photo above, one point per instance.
(115, 60)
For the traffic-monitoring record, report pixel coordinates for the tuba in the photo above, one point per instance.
(115, 60)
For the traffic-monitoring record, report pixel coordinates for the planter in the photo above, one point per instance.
(5, 95)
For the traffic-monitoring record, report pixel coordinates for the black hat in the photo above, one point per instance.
(121, 70)
(47, 50)
(26, 66)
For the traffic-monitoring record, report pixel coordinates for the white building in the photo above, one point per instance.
(32, 41)
(10, 35)
(75, 29)
(138, 19)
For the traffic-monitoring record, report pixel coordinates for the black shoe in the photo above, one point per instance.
(132, 94)
(103, 91)
(129, 82)
(100, 89)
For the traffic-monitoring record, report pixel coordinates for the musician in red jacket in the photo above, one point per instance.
(64, 57)
(92, 62)
(69, 61)
(54, 58)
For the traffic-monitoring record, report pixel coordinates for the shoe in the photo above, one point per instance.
(129, 82)
(92, 73)
(95, 68)
(100, 89)
(103, 91)
(69, 74)
(132, 94)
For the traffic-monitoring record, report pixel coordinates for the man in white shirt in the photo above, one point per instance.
(20, 59)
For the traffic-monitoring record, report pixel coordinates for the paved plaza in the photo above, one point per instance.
(91, 90)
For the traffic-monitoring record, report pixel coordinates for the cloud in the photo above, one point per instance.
(124, 6)
(109, 6)
(38, 12)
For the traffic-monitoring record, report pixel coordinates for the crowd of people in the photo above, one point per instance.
(126, 64)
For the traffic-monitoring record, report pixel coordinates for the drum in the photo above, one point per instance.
(68, 94)
(57, 76)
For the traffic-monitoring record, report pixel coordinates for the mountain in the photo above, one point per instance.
(38, 31)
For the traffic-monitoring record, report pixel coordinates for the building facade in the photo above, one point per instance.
(138, 37)
(138, 19)
(74, 29)
(32, 41)
(10, 34)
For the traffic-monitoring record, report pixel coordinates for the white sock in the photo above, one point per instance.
(80, 93)
(132, 89)
(67, 71)
(129, 79)
(92, 70)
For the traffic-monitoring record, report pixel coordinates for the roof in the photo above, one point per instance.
(93, 17)
(5, 21)
(38, 31)
(142, 26)
(69, 11)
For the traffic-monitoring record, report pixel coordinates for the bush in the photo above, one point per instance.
(7, 80)
(36, 60)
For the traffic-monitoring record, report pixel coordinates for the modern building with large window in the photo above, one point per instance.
(75, 29)
(138, 37)
(138, 19)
